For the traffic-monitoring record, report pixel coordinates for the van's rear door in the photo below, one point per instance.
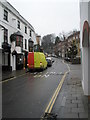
(31, 60)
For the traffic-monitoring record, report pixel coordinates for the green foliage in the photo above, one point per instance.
(72, 52)
(47, 43)
(57, 40)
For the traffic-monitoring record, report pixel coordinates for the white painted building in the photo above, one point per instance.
(17, 37)
(85, 44)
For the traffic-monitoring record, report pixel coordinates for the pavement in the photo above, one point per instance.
(12, 74)
(71, 101)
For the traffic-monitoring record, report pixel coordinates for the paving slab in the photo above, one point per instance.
(71, 102)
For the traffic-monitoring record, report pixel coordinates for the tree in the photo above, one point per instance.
(57, 40)
(72, 52)
(62, 36)
(48, 42)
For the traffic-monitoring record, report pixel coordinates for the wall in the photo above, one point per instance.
(84, 16)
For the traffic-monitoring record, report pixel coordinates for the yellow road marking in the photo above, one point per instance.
(54, 97)
(52, 101)
(59, 88)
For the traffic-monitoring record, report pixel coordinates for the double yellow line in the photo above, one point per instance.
(54, 97)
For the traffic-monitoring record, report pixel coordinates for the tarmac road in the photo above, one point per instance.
(28, 96)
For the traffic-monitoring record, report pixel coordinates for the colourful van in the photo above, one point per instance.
(36, 60)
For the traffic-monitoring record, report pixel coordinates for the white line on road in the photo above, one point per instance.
(35, 73)
(37, 76)
(46, 76)
(42, 76)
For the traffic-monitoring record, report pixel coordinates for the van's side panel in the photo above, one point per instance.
(43, 60)
(36, 60)
(31, 60)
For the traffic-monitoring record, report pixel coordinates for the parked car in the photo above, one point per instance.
(67, 59)
(49, 61)
(36, 60)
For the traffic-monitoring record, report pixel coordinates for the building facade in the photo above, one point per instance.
(85, 44)
(63, 47)
(74, 38)
(37, 46)
(17, 37)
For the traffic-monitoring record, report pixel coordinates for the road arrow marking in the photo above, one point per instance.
(46, 76)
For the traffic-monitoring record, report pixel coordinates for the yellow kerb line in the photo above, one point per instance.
(59, 88)
(52, 101)
(54, 97)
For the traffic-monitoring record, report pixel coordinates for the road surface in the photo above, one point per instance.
(28, 96)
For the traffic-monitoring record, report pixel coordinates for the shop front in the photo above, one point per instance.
(17, 51)
(6, 51)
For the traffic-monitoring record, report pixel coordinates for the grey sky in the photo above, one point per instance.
(49, 16)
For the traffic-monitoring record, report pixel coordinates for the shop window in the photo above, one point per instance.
(5, 15)
(5, 35)
(18, 24)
